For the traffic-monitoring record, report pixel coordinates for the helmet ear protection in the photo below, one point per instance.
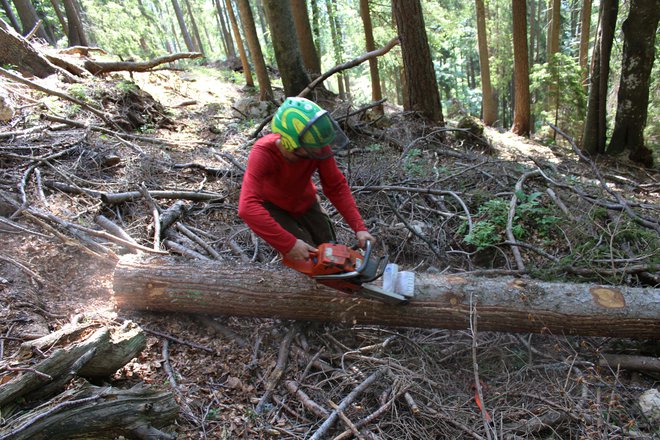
(301, 123)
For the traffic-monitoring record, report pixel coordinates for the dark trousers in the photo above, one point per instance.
(313, 227)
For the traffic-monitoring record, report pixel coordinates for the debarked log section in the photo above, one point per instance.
(503, 304)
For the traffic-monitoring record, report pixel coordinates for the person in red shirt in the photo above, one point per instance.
(279, 201)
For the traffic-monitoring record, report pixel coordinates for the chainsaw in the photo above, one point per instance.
(348, 270)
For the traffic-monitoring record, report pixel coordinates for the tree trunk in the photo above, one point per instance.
(57, 7)
(265, 90)
(376, 92)
(199, 47)
(9, 13)
(75, 32)
(554, 26)
(285, 45)
(228, 41)
(502, 304)
(304, 32)
(182, 25)
(16, 50)
(489, 110)
(336, 46)
(585, 26)
(316, 26)
(639, 31)
(239, 42)
(423, 95)
(521, 115)
(29, 18)
(595, 128)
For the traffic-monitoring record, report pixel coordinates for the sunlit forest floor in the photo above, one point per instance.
(579, 220)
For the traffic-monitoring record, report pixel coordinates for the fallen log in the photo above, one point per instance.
(97, 412)
(100, 67)
(502, 304)
(44, 392)
(104, 352)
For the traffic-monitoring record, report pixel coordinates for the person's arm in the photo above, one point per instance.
(336, 189)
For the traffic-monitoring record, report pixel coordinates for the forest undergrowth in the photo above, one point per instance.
(439, 199)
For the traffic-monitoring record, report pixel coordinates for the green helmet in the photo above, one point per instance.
(301, 123)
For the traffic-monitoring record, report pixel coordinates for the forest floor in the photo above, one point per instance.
(535, 386)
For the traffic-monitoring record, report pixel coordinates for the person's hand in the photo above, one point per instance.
(363, 237)
(300, 251)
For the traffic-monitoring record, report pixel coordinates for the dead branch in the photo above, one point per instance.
(195, 196)
(630, 362)
(100, 67)
(348, 400)
(81, 50)
(512, 213)
(624, 204)
(113, 228)
(185, 251)
(25, 269)
(294, 388)
(52, 92)
(355, 62)
(280, 367)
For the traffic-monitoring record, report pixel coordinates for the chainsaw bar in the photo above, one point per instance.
(374, 292)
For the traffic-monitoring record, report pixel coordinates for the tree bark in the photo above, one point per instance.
(376, 92)
(502, 304)
(16, 50)
(60, 17)
(423, 95)
(227, 40)
(29, 19)
(265, 89)
(285, 45)
(639, 32)
(488, 107)
(198, 39)
(554, 27)
(585, 27)
(521, 115)
(594, 135)
(304, 32)
(182, 25)
(239, 42)
(336, 45)
(9, 13)
(75, 32)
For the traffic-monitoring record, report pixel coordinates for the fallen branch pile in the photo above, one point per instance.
(46, 390)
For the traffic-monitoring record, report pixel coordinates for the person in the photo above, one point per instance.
(279, 201)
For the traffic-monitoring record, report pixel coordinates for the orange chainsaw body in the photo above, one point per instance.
(331, 259)
(347, 270)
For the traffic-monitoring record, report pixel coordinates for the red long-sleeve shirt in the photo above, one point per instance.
(288, 185)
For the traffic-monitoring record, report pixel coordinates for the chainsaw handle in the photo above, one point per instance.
(365, 260)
